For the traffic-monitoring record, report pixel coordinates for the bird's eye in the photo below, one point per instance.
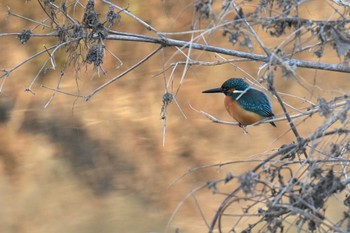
(231, 90)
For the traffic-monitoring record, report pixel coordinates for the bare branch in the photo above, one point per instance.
(167, 42)
(88, 97)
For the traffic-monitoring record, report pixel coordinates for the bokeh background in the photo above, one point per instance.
(100, 166)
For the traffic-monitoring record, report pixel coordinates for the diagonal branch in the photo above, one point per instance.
(168, 42)
(251, 29)
(149, 27)
(88, 97)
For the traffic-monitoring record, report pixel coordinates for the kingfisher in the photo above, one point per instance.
(244, 103)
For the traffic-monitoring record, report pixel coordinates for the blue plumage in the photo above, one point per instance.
(236, 83)
(243, 102)
(254, 100)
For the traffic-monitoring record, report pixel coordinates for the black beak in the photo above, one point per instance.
(214, 90)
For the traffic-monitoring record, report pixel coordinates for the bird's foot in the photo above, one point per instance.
(244, 127)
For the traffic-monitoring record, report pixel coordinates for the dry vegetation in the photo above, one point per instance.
(107, 83)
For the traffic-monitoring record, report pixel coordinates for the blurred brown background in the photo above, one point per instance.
(100, 166)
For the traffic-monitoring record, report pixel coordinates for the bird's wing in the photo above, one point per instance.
(255, 101)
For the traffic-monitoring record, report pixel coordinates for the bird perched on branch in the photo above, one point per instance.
(342, 2)
(244, 103)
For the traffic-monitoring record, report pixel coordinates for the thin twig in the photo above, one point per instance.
(283, 150)
(88, 97)
(277, 119)
(54, 93)
(149, 27)
(289, 119)
(214, 119)
(181, 203)
(44, 64)
(251, 29)
(62, 92)
(206, 63)
(10, 13)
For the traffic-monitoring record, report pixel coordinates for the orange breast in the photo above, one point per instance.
(240, 114)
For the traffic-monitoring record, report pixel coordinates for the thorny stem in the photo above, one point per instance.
(283, 150)
(234, 192)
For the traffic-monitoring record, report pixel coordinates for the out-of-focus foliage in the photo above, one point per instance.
(67, 165)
